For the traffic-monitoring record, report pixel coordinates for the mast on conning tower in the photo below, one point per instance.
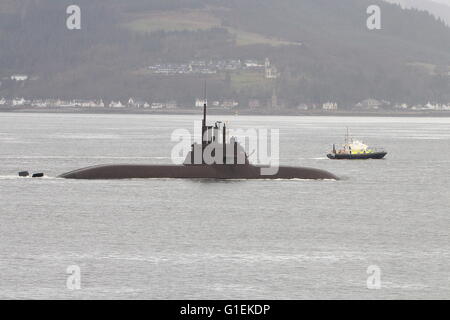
(204, 104)
(204, 129)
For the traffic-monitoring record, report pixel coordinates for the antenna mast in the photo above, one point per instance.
(204, 103)
(204, 129)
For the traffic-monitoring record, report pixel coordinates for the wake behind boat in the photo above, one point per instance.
(356, 150)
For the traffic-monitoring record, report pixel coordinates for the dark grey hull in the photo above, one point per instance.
(361, 156)
(126, 171)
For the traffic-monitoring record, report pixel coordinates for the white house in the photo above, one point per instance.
(330, 106)
(100, 104)
(230, 104)
(143, 104)
(402, 106)
(65, 104)
(270, 71)
(39, 104)
(19, 77)
(200, 102)
(431, 106)
(252, 64)
(93, 104)
(156, 105)
(369, 104)
(132, 103)
(18, 102)
(437, 107)
(418, 107)
(117, 104)
(171, 105)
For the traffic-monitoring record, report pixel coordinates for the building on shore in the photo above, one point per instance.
(230, 104)
(135, 103)
(157, 105)
(271, 72)
(19, 77)
(437, 107)
(369, 104)
(17, 102)
(302, 107)
(200, 102)
(87, 103)
(117, 104)
(39, 104)
(254, 104)
(401, 106)
(171, 105)
(330, 106)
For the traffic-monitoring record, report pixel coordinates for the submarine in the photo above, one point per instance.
(229, 161)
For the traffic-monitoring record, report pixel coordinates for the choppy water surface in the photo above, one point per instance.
(223, 239)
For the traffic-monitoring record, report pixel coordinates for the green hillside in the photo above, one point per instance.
(321, 48)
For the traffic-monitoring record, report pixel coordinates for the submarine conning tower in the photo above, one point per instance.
(212, 151)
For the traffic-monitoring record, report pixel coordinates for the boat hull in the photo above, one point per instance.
(361, 156)
(125, 171)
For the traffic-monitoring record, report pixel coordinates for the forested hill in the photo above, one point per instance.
(438, 9)
(321, 48)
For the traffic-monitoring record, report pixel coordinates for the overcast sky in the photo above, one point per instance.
(447, 2)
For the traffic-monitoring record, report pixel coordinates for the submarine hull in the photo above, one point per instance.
(111, 172)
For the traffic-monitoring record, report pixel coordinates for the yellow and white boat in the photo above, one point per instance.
(356, 150)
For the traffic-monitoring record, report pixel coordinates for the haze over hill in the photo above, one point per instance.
(439, 8)
(322, 51)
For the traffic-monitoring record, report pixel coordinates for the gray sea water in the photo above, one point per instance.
(182, 239)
